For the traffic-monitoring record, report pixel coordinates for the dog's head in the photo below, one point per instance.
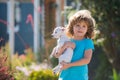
(58, 31)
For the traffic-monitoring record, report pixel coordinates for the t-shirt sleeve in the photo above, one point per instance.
(89, 45)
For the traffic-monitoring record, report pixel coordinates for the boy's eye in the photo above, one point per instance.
(83, 26)
(77, 25)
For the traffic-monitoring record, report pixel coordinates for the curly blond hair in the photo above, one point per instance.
(82, 15)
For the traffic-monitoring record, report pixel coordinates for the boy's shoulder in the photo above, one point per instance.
(88, 40)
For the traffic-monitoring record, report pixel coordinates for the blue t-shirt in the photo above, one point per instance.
(78, 72)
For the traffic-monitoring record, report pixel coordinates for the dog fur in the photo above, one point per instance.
(59, 34)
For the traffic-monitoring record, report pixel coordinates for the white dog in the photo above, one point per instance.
(59, 34)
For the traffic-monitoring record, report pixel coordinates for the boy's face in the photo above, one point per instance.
(80, 29)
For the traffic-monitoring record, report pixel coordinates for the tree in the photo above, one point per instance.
(107, 15)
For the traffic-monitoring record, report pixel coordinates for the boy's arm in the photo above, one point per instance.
(56, 53)
(85, 60)
(69, 44)
(62, 49)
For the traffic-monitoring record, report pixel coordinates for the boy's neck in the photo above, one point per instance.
(78, 38)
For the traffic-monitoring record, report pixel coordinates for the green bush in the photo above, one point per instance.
(5, 70)
(116, 76)
(42, 75)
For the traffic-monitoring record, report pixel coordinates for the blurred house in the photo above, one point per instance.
(24, 12)
(3, 24)
(50, 16)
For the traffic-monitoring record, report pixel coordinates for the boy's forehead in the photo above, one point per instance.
(81, 23)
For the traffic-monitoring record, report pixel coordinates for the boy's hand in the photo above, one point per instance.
(59, 52)
(56, 52)
(69, 44)
(64, 65)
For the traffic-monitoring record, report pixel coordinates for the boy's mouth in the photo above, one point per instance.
(79, 31)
